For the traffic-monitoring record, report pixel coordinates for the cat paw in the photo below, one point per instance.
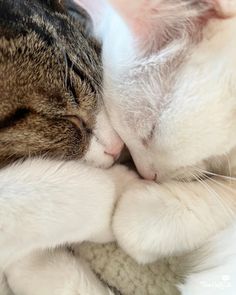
(144, 224)
(54, 272)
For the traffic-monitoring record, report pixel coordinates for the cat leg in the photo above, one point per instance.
(44, 204)
(53, 272)
(152, 220)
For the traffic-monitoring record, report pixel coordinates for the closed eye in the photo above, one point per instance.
(146, 140)
(79, 123)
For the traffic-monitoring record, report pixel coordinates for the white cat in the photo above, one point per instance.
(170, 90)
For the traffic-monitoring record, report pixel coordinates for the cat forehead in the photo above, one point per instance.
(49, 70)
(32, 26)
(146, 84)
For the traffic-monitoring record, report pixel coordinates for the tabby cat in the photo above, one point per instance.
(52, 126)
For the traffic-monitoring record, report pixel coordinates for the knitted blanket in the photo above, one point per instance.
(125, 277)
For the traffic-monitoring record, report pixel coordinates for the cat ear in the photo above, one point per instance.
(145, 17)
(150, 21)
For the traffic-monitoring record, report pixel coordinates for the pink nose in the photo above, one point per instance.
(114, 150)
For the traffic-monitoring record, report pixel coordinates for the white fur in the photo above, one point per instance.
(44, 204)
(215, 267)
(53, 272)
(170, 90)
(171, 218)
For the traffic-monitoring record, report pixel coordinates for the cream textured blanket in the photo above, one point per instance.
(126, 277)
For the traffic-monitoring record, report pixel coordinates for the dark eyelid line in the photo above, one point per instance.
(79, 123)
(151, 134)
(149, 137)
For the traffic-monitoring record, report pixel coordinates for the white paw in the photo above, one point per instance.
(144, 223)
(130, 223)
(121, 177)
(53, 272)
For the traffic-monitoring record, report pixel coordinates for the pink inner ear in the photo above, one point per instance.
(129, 9)
(136, 13)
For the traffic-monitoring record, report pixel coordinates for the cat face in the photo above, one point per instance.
(50, 81)
(170, 81)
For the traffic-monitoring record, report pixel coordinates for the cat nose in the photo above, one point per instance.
(114, 150)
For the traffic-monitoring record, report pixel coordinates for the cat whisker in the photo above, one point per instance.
(226, 208)
(230, 190)
(205, 172)
(228, 187)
